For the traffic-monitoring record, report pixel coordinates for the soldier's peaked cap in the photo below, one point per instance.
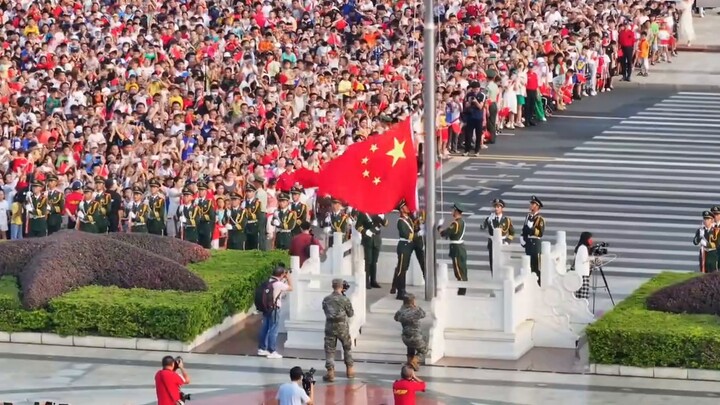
(296, 190)
(37, 184)
(283, 197)
(401, 204)
(535, 200)
(51, 177)
(186, 191)
(154, 183)
(89, 189)
(235, 196)
(715, 209)
(250, 187)
(499, 202)
(99, 180)
(458, 208)
(202, 186)
(336, 201)
(138, 190)
(707, 214)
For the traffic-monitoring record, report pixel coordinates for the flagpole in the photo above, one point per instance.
(430, 146)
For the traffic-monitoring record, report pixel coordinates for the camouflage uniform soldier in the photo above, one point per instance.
(338, 309)
(409, 316)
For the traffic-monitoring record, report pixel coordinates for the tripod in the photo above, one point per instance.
(594, 287)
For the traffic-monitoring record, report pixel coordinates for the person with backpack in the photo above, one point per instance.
(268, 299)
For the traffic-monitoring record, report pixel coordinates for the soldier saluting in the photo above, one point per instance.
(532, 233)
(156, 214)
(236, 221)
(707, 238)
(456, 234)
(56, 201)
(285, 221)
(498, 220)
(369, 227)
(406, 234)
(37, 211)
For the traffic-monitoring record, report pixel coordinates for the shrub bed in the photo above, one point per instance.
(231, 278)
(632, 335)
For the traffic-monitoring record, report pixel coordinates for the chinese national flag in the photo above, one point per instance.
(373, 176)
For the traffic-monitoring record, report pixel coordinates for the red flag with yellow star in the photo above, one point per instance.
(373, 176)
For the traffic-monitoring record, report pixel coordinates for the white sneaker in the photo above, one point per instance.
(593, 93)
(262, 352)
(274, 355)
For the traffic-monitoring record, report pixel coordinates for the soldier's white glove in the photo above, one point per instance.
(421, 232)
(381, 216)
(183, 220)
(243, 205)
(314, 222)
(530, 223)
(229, 227)
(327, 230)
(349, 210)
(131, 215)
(327, 218)
(522, 242)
(441, 222)
(351, 221)
(29, 207)
(368, 233)
(49, 207)
(81, 215)
(275, 222)
(505, 242)
(703, 243)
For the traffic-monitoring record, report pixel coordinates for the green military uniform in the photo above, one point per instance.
(405, 247)
(37, 212)
(707, 239)
(338, 311)
(236, 222)
(104, 199)
(138, 213)
(156, 205)
(532, 233)
(409, 316)
(456, 234)
(253, 213)
(715, 211)
(369, 227)
(285, 222)
(56, 200)
(419, 240)
(300, 208)
(493, 222)
(206, 221)
(187, 215)
(88, 212)
(337, 222)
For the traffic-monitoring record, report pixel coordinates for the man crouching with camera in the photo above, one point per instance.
(338, 311)
(168, 382)
(300, 389)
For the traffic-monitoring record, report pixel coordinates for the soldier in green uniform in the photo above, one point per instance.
(336, 221)
(369, 227)
(88, 212)
(37, 211)
(498, 220)
(187, 216)
(405, 247)
(409, 316)
(284, 221)
(456, 234)
(338, 311)
(715, 211)
(156, 204)
(252, 213)
(206, 222)
(707, 238)
(56, 200)
(300, 208)
(138, 212)
(236, 222)
(532, 233)
(418, 220)
(104, 199)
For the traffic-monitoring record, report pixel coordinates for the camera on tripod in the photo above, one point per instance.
(599, 249)
(346, 286)
(308, 380)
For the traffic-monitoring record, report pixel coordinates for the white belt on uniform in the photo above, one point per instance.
(457, 242)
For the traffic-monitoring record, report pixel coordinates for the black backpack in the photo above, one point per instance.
(265, 301)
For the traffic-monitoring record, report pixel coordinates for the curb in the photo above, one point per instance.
(700, 48)
(672, 373)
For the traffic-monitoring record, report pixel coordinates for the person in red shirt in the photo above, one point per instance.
(300, 243)
(72, 201)
(168, 382)
(404, 389)
(531, 88)
(626, 40)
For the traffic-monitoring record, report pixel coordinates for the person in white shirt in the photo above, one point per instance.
(267, 345)
(582, 264)
(292, 393)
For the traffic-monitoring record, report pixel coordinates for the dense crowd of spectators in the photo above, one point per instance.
(229, 92)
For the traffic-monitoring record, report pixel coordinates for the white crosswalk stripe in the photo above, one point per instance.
(640, 185)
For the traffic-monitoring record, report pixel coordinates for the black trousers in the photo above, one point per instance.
(372, 254)
(492, 122)
(419, 249)
(490, 255)
(530, 102)
(404, 253)
(473, 132)
(532, 249)
(454, 139)
(627, 61)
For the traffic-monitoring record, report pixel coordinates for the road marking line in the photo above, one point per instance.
(511, 157)
(693, 110)
(616, 175)
(674, 118)
(643, 154)
(645, 150)
(644, 208)
(618, 170)
(588, 117)
(691, 101)
(658, 144)
(674, 124)
(635, 127)
(652, 139)
(638, 185)
(584, 158)
(557, 213)
(611, 191)
(678, 114)
(692, 97)
(699, 93)
(661, 200)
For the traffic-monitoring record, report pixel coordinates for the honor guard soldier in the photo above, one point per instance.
(532, 233)
(285, 221)
(370, 227)
(56, 200)
(338, 310)
(419, 241)
(707, 238)
(337, 221)
(494, 221)
(236, 222)
(409, 316)
(206, 221)
(103, 198)
(156, 203)
(406, 236)
(138, 212)
(88, 212)
(456, 234)
(37, 212)
(301, 209)
(187, 216)
(253, 213)
(715, 211)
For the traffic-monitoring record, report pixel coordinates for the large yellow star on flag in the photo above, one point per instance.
(397, 152)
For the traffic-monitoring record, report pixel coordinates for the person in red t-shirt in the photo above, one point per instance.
(168, 382)
(404, 389)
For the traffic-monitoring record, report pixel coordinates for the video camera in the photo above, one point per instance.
(599, 249)
(183, 396)
(346, 286)
(308, 380)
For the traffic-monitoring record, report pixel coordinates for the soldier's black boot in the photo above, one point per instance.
(368, 283)
(401, 294)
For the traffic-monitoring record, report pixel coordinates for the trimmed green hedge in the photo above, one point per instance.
(632, 335)
(231, 276)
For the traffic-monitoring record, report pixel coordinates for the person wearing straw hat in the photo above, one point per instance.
(707, 238)
(285, 221)
(494, 221)
(37, 211)
(532, 234)
(56, 201)
(458, 253)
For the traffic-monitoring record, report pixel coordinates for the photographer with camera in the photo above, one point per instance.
(168, 382)
(300, 389)
(268, 299)
(338, 309)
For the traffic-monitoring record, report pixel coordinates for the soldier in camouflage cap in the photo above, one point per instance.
(338, 309)
(409, 316)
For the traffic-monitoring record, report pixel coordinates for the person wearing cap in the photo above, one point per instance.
(370, 227)
(116, 205)
(301, 209)
(56, 200)
(72, 202)
(206, 221)
(88, 212)
(104, 199)
(137, 213)
(418, 219)
(336, 221)
(236, 222)
(532, 233)
(338, 310)
(406, 235)
(262, 196)
(707, 238)
(456, 234)
(473, 116)
(156, 203)
(285, 221)
(494, 221)
(409, 315)
(36, 211)
(187, 217)
(253, 213)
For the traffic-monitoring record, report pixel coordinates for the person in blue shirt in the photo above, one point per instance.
(292, 393)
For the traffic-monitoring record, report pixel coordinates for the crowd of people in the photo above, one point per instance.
(176, 97)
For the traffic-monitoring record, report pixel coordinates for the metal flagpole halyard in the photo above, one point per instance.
(430, 146)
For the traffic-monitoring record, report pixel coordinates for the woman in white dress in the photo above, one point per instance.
(686, 31)
(510, 99)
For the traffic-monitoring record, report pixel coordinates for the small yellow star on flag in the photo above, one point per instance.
(397, 152)
(366, 173)
(376, 180)
(373, 147)
(365, 160)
